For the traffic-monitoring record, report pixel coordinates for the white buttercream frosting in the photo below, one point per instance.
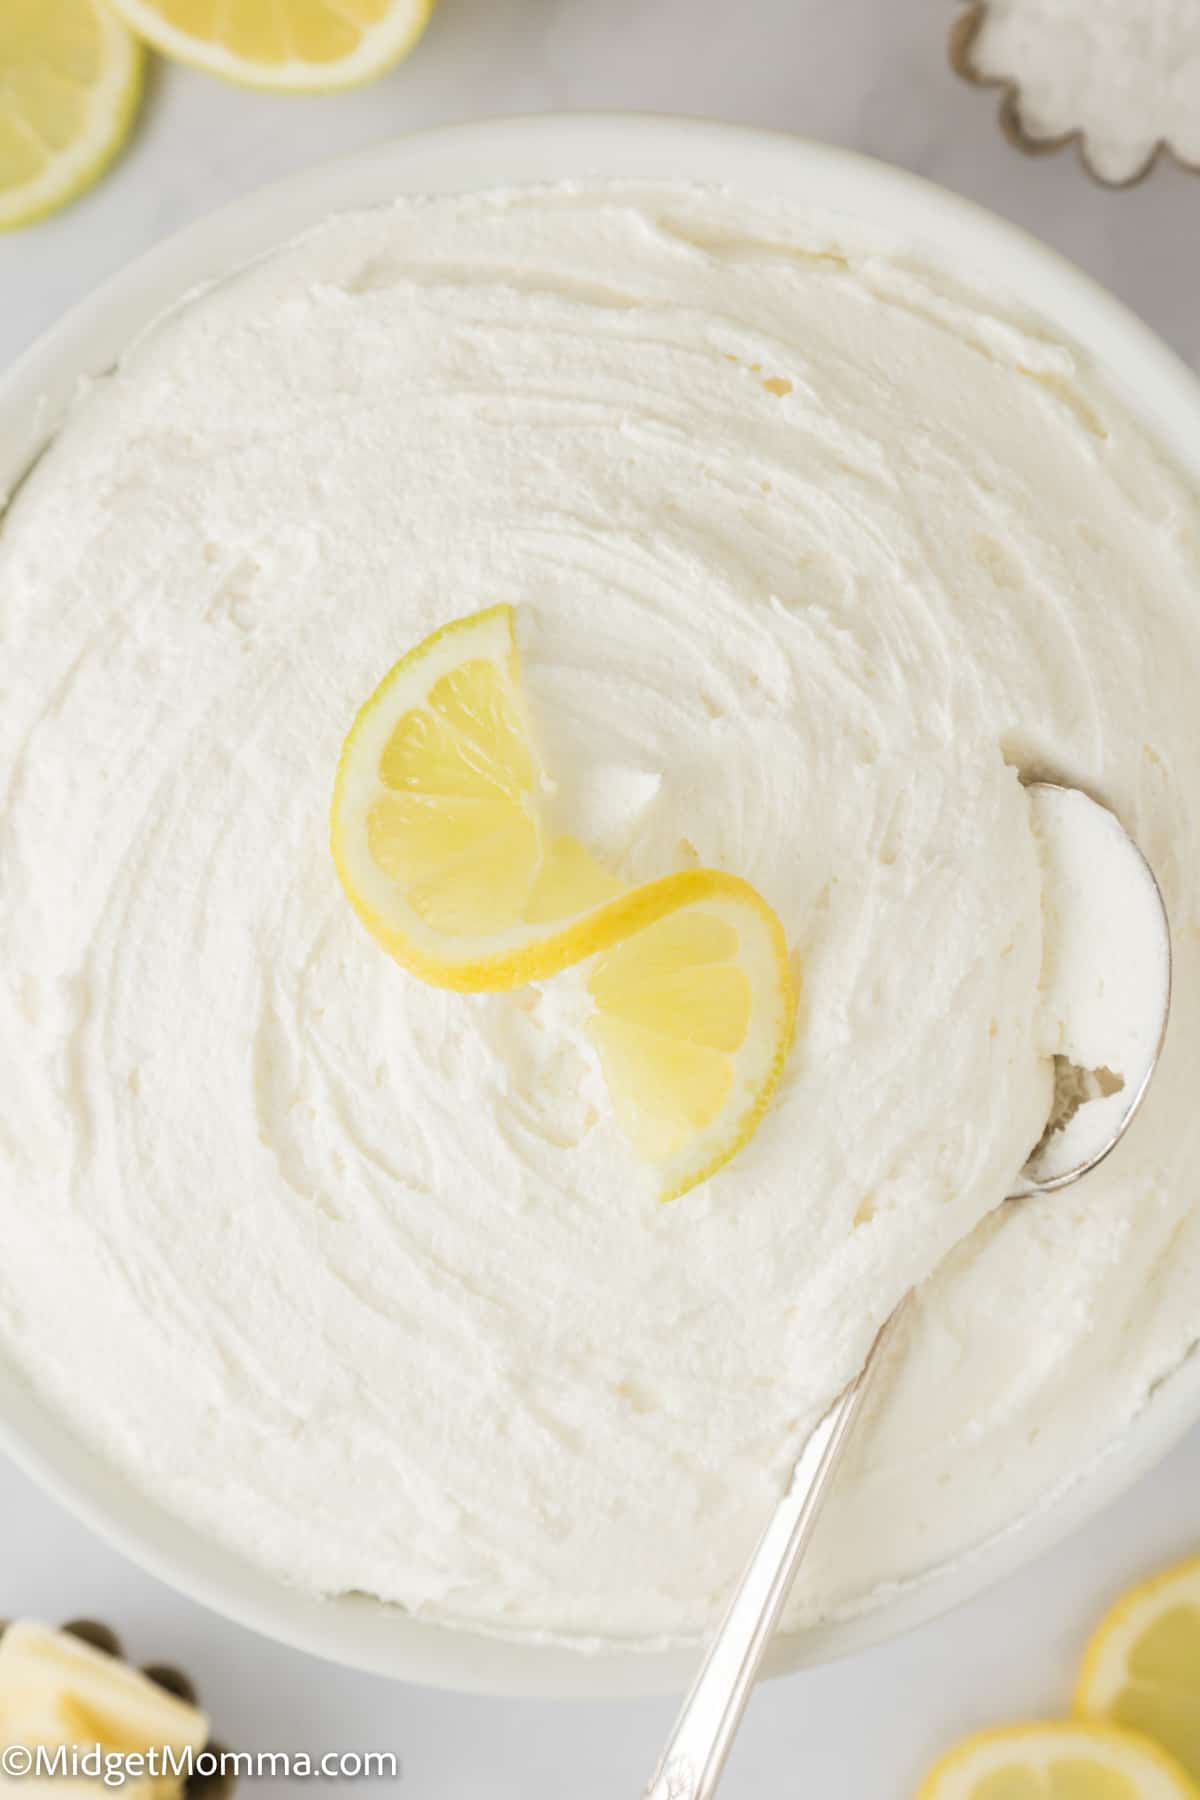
(814, 551)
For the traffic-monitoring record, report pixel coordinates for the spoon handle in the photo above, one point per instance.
(691, 1764)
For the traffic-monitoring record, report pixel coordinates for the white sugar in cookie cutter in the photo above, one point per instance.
(964, 36)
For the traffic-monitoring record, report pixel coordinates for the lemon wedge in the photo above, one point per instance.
(70, 79)
(1057, 1762)
(1142, 1667)
(442, 843)
(293, 46)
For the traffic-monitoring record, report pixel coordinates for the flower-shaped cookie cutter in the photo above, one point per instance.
(964, 35)
(218, 1785)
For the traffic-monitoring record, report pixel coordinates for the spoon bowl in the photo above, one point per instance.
(1098, 872)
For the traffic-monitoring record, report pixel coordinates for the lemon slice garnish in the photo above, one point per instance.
(1057, 1762)
(442, 844)
(437, 827)
(693, 1019)
(1142, 1667)
(70, 79)
(294, 46)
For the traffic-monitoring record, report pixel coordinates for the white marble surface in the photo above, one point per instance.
(867, 73)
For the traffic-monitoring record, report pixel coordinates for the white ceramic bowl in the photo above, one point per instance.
(1001, 259)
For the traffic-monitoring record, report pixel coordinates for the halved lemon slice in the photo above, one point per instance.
(692, 1022)
(1057, 1762)
(437, 828)
(441, 842)
(294, 46)
(1142, 1667)
(70, 78)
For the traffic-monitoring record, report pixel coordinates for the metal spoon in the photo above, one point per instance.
(695, 1755)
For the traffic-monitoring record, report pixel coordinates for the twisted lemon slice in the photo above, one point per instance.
(1142, 1667)
(442, 846)
(1057, 1762)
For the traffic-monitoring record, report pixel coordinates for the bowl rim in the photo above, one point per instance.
(1154, 383)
